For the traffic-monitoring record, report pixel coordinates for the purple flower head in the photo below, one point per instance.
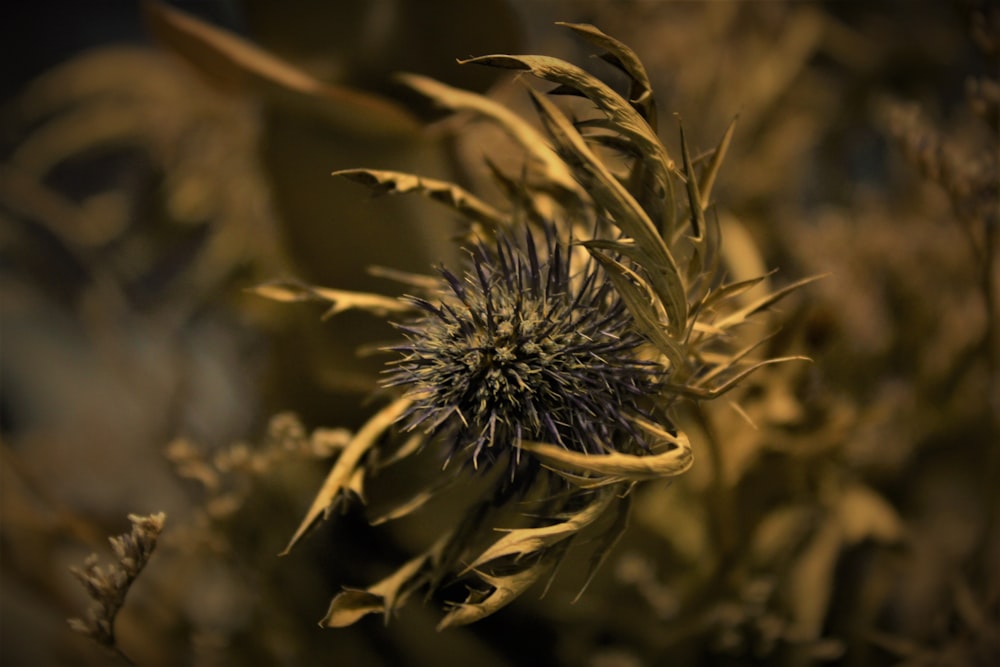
(523, 346)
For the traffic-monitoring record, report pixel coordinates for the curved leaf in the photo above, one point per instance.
(238, 63)
(616, 467)
(640, 92)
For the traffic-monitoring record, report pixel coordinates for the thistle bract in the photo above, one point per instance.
(521, 348)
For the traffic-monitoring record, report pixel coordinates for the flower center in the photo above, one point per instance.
(518, 350)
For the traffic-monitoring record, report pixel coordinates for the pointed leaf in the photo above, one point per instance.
(522, 541)
(764, 302)
(347, 464)
(700, 392)
(731, 291)
(384, 597)
(506, 589)
(292, 291)
(394, 182)
(712, 170)
(697, 211)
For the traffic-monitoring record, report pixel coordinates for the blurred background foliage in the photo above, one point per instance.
(154, 164)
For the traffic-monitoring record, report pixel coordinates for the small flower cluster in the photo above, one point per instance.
(108, 586)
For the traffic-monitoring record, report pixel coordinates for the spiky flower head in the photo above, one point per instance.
(566, 358)
(521, 347)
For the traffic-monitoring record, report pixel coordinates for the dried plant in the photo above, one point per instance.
(107, 586)
(550, 368)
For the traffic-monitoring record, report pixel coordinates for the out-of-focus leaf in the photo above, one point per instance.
(347, 464)
(760, 304)
(350, 606)
(394, 182)
(406, 508)
(863, 514)
(780, 533)
(811, 580)
(237, 63)
(291, 291)
(521, 132)
(607, 541)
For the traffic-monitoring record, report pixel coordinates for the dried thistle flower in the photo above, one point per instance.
(108, 586)
(564, 358)
(520, 349)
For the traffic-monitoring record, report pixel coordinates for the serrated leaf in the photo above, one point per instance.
(346, 466)
(702, 392)
(660, 281)
(461, 200)
(385, 596)
(522, 541)
(506, 589)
